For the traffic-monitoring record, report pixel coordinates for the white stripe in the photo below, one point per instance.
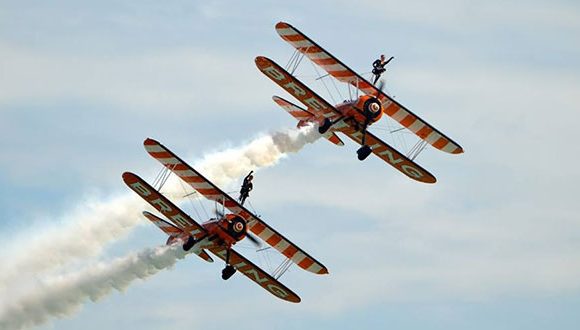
(185, 173)
(169, 161)
(315, 268)
(449, 147)
(282, 245)
(431, 138)
(400, 115)
(416, 126)
(286, 31)
(298, 257)
(318, 56)
(301, 44)
(201, 185)
(154, 148)
(266, 234)
(333, 67)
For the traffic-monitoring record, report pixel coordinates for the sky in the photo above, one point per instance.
(495, 243)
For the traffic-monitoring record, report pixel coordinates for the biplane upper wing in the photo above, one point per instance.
(343, 73)
(212, 192)
(163, 205)
(303, 115)
(391, 156)
(254, 273)
(173, 231)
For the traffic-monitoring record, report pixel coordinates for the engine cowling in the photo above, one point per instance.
(372, 108)
(236, 227)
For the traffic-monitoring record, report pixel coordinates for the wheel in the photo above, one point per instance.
(363, 152)
(189, 244)
(228, 271)
(325, 126)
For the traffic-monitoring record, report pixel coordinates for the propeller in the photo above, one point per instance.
(249, 235)
(253, 239)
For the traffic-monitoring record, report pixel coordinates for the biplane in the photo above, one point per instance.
(351, 117)
(218, 235)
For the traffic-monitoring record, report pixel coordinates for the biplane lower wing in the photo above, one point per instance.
(212, 192)
(343, 73)
(173, 231)
(163, 205)
(303, 116)
(391, 156)
(256, 274)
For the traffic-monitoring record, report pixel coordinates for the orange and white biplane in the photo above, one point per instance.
(218, 235)
(352, 117)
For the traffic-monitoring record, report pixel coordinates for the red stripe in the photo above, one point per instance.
(391, 109)
(424, 132)
(258, 228)
(307, 262)
(408, 120)
(209, 191)
(274, 239)
(342, 73)
(324, 61)
(191, 179)
(160, 154)
(440, 143)
(290, 251)
(293, 37)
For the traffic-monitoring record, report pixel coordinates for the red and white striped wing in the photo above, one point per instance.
(343, 73)
(165, 226)
(303, 115)
(211, 192)
(294, 110)
(256, 274)
(391, 156)
(163, 205)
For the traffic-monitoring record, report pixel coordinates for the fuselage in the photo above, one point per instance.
(364, 108)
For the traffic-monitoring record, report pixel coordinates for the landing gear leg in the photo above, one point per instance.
(229, 270)
(364, 151)
(325, 126)
(189, 244)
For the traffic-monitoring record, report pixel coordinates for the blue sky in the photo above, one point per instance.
(494, 244)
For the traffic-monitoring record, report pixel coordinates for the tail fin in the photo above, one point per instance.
(304, 117)
(174, 233)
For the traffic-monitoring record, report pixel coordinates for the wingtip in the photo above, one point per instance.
(260, 60)
(127, 176)
(150, 141)
(282, 25)
(458, 151)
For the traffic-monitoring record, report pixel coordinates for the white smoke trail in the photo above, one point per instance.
(64, 295)
(91, 226)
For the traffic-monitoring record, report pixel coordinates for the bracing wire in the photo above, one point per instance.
(323, 83)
